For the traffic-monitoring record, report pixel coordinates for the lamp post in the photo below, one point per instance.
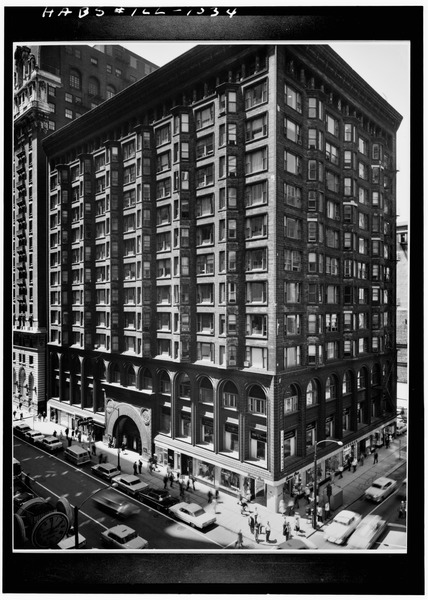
(111, 409)
(315, 516)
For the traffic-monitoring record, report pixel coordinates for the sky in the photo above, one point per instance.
(383, 65)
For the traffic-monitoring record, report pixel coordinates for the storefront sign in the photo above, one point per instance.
(258, 435)
(329, 419)
(310, 426)
(186, 416)
(207, 421)
(231, 427)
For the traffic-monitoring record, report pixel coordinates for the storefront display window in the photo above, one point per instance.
(205, 471)
(229, 480)
(258, 445)
(231, 438)
(207, 433)
(185, 425)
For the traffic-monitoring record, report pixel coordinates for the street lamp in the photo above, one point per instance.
(110, 409)
(314, 516)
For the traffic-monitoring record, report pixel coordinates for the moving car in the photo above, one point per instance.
(51, 444)
(342, 526)
(20, 428)
(159, 499)
(123, 537)
(105, 470)
(193, 514)
(131, 484)
(380, 489)
(33, 436)
(401, 427)
(367, 532)
(115, 503)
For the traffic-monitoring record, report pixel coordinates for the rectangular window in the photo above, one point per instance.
(292, 228)
(256, 161)
(293, 99)
(293, 195)
(163, 162)
(163, 188)
(256, 292)
(205, 146)
(256, 194)
(292, 293)
(204, 117)
(205, 264)
(256, 227)
(292, 260)
(332, 125)
(205, 176)
(292, 131)
(292, 324)
(291, 357)
(256, 128)
(256, 325)
(256, 259)
(256, 95)
(163, 135)
(292, 163)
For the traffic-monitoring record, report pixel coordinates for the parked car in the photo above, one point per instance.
(123, 537)
(401, 427)
(342, 526)
(51, 444)
(367, 532)
(105, 470)
(20, 429)
(193, 514)
(380, 489)
(130, 484)
(33, 436)
(159, 499)
(115, 503)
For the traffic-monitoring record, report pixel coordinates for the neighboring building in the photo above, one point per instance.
(402, 313)
(53, 85)
(222, 266)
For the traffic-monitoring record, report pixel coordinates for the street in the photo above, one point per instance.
(54, 478)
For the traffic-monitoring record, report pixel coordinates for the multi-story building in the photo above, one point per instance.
(402, 314)
(222, 266)
(53, 85)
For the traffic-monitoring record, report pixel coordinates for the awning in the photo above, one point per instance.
(75, 411)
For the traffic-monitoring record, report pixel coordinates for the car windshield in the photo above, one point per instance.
(198, 512)
(378, 486)
(130, 536)
(342, 520)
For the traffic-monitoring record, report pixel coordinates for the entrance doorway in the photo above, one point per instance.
(126, 432)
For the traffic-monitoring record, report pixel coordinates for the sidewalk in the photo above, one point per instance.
(228, 512)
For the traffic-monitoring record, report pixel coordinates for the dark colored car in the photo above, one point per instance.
(159, 499)
(116, 504)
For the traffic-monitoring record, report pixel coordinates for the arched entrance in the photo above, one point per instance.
(126, 432)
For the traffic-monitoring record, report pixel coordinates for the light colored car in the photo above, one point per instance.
(367, 532)
(130, 484)
(401, 427)
(123, 537)
(193, 514)
(33, 436)
(380, 489)
(105, 470)
(51, 444)
(342, 526)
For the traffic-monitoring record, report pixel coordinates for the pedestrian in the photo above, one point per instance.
(307, 493)
(135, 468)
(20, 406)
(296, 505)
(402, 509)
(297, 522)
(349, 463)
(290, 507)
(123, 446)
(267, 530)
(22, 416)
(327, 510)
(215, 505)
(256, 514)
(79, 436)
(256, 532)
(171, 479)
(150, 465)
(165, 482)
(69, 441)
(319, 514)
(329, 491)
(340, 469)
(94, 449)
(193, 482)
(54, 433)
(66, 432)
(244, 506)
(238, 543)
(210, 496)
(14, 413)
(44, 416)
(375, 457)
(217, 495)
(251, 523)
(354, 464)
(362, 459)
(287, 530)
(140, 465)
(181, 491)
(72, 433)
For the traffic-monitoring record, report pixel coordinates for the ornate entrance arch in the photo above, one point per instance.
(130, 425)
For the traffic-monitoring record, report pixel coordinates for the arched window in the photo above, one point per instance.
(164, 383)
(93, 86)
(110, 91)
(311, 394)
(291, 399)
(230, 395)
(75, 79)
(147, 380)
(330, 389)
(184, 387)
(206, 391)
(115, 374)
(362, 379)
(130, 376)
(257, 400)
(347, 383)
